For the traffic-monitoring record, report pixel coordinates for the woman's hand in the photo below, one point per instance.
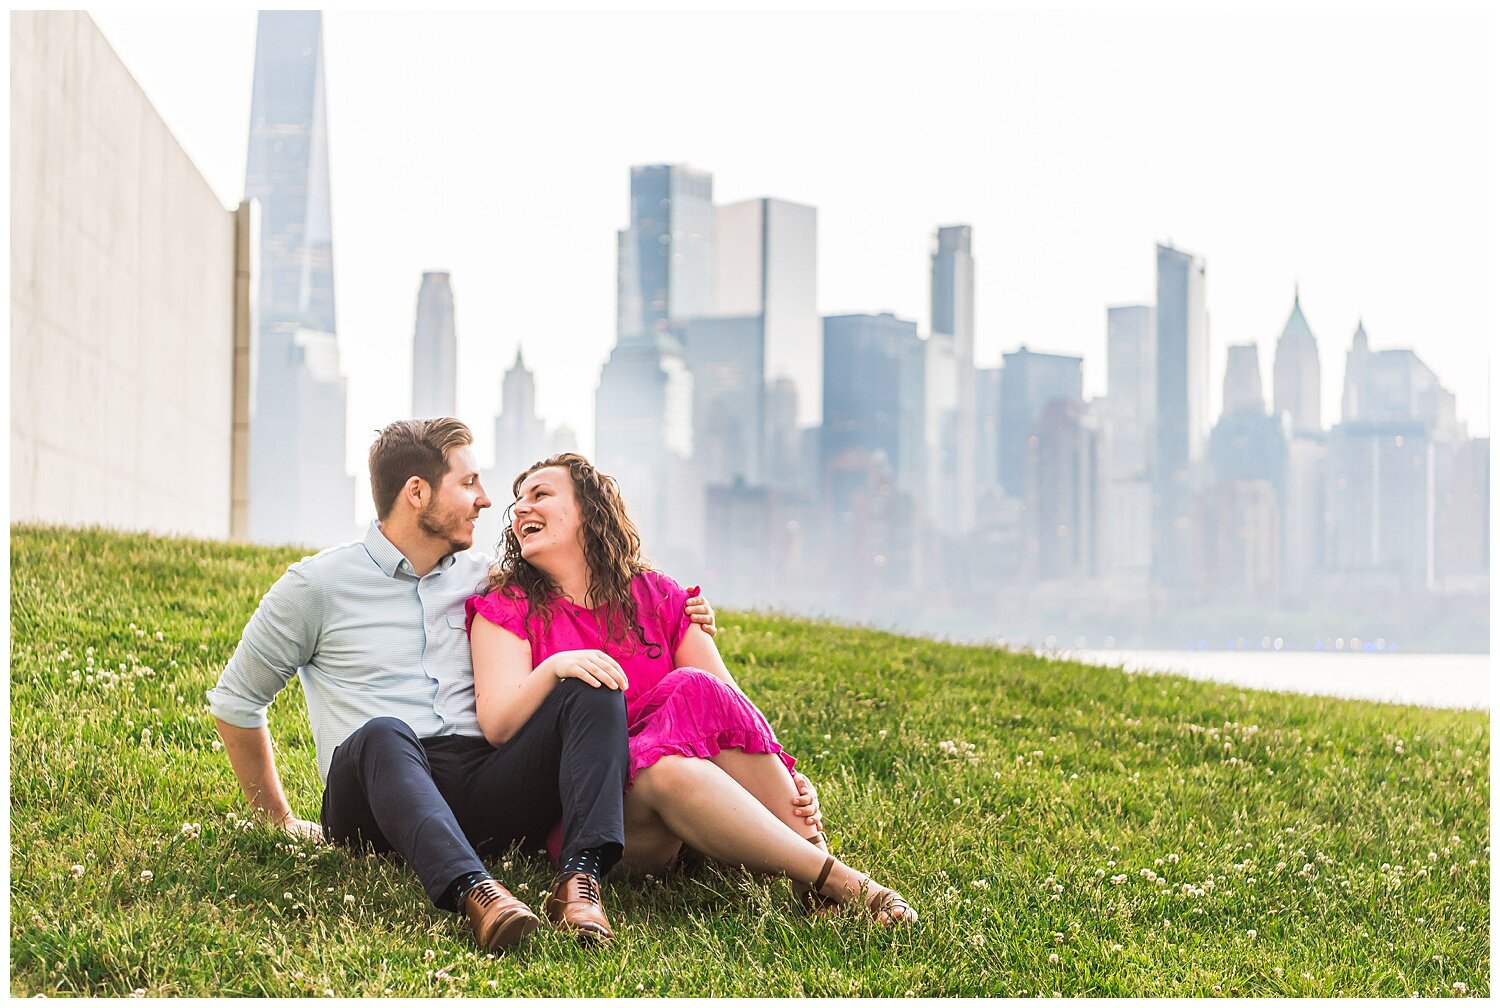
(701, 613)
(594, 667)
(806, 802)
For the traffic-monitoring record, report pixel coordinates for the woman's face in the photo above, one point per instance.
(545, 518)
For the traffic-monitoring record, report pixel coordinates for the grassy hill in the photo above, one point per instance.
(1061, 828)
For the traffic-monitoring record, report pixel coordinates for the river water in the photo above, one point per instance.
(1428, 680)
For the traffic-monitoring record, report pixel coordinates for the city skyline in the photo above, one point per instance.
(1018, 266)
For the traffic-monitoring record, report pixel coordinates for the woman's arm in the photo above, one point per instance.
(697, 650)
(507, 690)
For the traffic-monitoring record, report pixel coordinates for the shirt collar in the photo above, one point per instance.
(388, 558)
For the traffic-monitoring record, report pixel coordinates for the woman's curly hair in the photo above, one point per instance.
(611, 549)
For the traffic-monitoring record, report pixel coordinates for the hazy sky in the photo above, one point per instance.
(1341, 150)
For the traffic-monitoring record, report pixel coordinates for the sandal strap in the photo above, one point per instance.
(823, 875)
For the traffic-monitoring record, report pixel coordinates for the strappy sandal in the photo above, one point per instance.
(814, 902)
(890, 910)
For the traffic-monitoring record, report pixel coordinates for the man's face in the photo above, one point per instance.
(455, 505)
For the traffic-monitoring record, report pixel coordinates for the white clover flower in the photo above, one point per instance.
(1053, 958)
(1250, 933)
(1117, 947)
(1459, 987)
(76, 871)
(980, 883)
(147, 875)
(160, 635)
(349, 898)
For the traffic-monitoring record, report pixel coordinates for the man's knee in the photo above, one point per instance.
(378, 735)
(385, 729)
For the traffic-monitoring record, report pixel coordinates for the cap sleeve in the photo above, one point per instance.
(501, 610)
(670, 601)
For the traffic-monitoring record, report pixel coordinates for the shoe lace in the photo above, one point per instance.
(588, 887)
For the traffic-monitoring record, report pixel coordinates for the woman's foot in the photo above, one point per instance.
(887, 906)
(812, 901)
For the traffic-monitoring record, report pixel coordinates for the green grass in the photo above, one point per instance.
(1022, 806)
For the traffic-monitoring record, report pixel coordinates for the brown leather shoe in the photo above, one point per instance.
(499, 919)
(574, 906)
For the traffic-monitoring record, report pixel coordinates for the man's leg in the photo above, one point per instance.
(380, 792)
(570, 761)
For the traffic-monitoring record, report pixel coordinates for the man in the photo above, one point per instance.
(375, 629)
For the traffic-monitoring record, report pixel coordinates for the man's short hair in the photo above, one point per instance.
(410, 448)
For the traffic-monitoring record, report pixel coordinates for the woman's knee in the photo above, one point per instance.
(670, 775)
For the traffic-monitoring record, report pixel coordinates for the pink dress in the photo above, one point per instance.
(668, 710)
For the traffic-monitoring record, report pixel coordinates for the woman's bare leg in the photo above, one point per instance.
(766, 778)
(650, 845)
(700, 803)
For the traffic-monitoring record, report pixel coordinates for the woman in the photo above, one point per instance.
(572, 597)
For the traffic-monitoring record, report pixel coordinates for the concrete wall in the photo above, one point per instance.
(124, 303)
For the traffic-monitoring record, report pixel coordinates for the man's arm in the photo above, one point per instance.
(701, 613)
(254, 763)
(279, 638)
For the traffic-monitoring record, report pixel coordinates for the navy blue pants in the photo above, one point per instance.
(442, 802)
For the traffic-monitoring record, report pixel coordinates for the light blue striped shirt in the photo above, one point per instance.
(367, 637)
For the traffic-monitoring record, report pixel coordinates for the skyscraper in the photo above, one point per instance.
(1242, 387)
(1296, 374)
(1061, 494)
(766, 257)
(1130, 347)
(873, 385)
(1128, 443)
(434, 350)
(299, 490)
(729, 396)
(1182, 418)
(520, 440)
(520, 434)
(1395, 386)
(953, 445)
(1028, 383)
(643, 408)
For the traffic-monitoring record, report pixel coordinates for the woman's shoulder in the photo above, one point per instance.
(506, 606)
(653, 585)
(506, 595)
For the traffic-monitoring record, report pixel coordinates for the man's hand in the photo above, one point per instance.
(806, 802)
(700, 612)
(301, 828)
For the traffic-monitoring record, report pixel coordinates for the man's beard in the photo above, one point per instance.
(427, 523)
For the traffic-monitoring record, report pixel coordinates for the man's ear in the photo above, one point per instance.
(416, 492)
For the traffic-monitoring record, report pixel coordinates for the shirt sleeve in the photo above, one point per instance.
(670, 600)
(280, 638)
(501, 610)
